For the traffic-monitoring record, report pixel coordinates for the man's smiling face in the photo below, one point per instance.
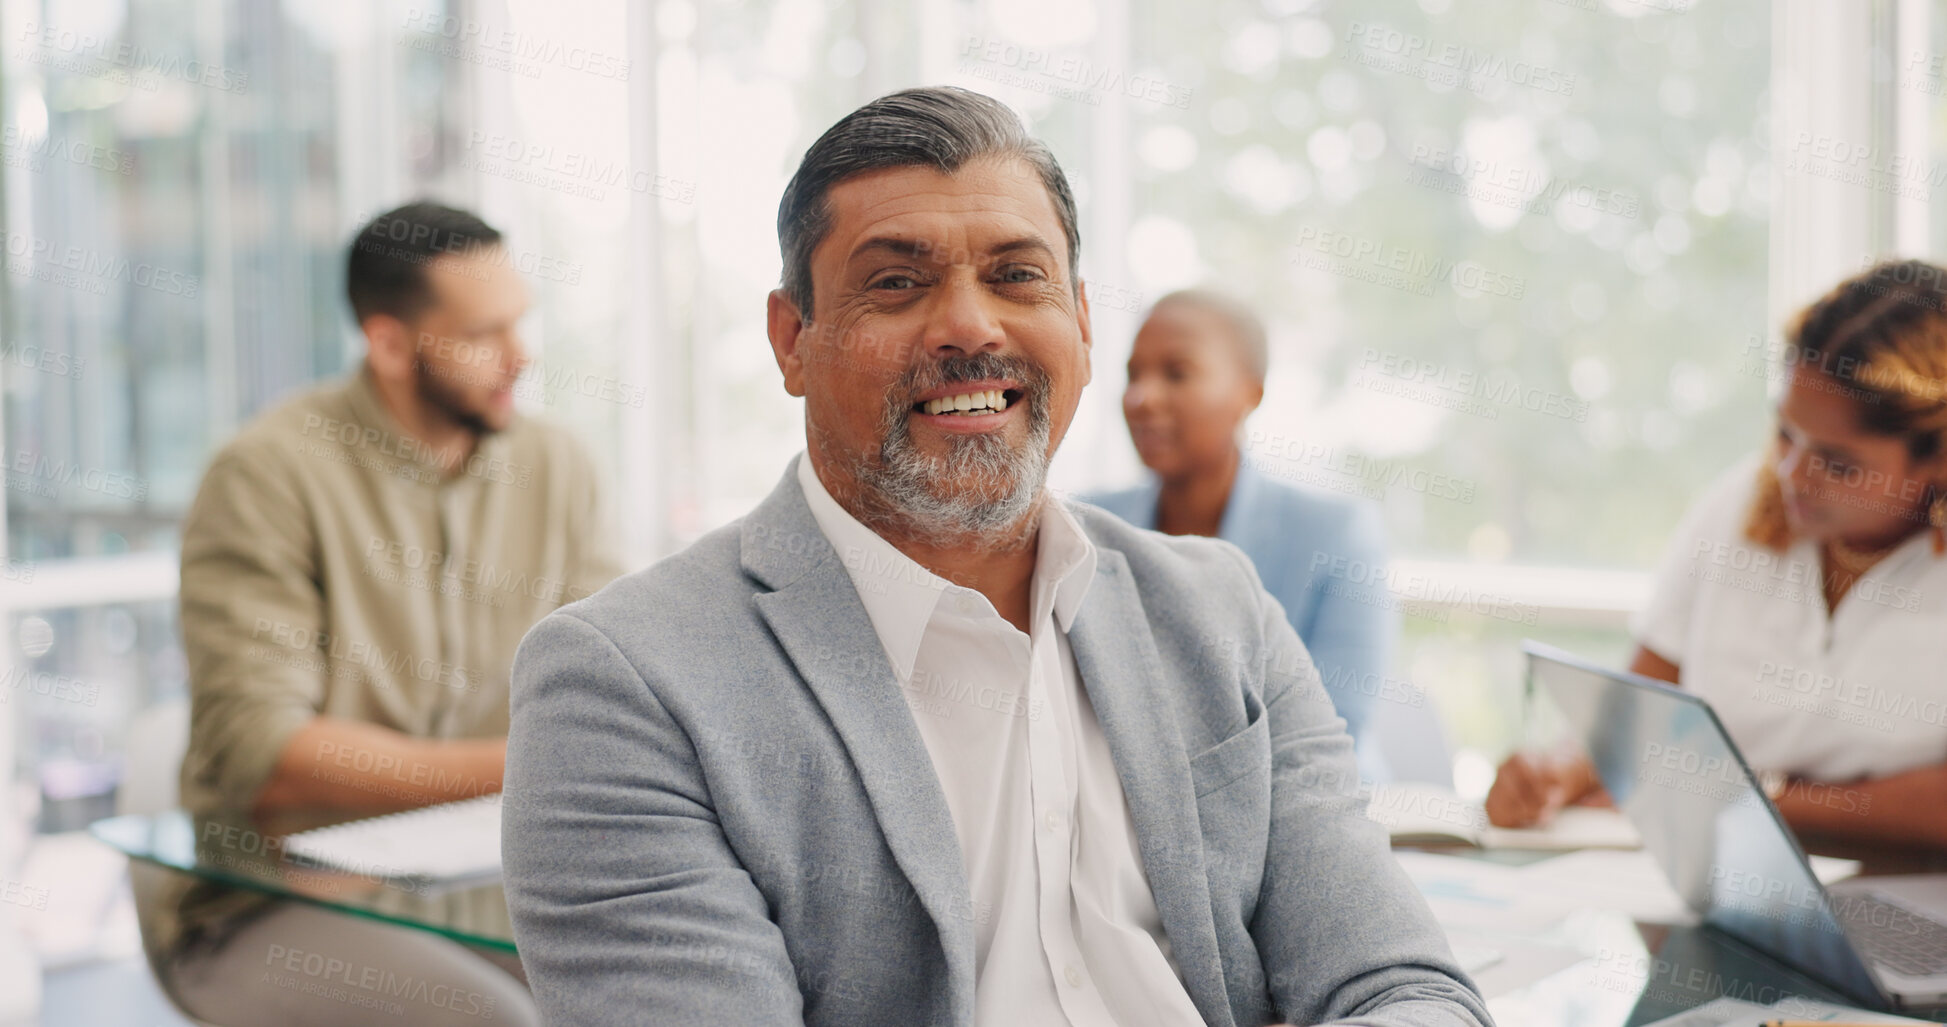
(933, 289)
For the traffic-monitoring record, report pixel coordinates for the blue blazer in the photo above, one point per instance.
(718, 809)
(1295, 537)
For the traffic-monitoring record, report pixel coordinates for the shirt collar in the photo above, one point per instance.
(900, 596)
(1243, 495)
(1066, 557)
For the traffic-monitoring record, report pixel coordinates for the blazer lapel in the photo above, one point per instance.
(817, 617)
(1117, 658)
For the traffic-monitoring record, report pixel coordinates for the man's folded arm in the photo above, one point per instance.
(629, 905)
(252, 616)
(254, 625)
(1344, 936)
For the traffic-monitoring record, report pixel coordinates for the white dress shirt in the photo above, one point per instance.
(1065, 926)
(1833, 696)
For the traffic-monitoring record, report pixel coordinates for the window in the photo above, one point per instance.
(179, 182)
(1522, 261)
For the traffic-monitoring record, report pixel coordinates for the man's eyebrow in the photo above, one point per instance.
(891, 244)
(922, 248)
(1026, 242)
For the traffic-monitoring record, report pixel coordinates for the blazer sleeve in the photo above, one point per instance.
(628, 904)
(1351, 636)
(1344, 936)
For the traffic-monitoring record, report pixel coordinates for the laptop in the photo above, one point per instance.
(1674, 771)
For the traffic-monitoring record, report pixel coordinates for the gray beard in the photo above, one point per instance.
(981, 493)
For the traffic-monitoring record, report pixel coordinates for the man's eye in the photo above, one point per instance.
(1019, 275)
(895, 282)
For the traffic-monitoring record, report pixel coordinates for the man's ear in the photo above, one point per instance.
(786, 328)
(1088, 338)
(388, 346)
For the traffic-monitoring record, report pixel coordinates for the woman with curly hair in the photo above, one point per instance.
(1805, 596)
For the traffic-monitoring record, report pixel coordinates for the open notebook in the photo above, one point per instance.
(453, 841)
(1426, 814)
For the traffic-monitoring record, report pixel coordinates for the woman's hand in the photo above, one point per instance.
(1530, 787)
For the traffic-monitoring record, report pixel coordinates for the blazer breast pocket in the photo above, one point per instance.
(1243, 753)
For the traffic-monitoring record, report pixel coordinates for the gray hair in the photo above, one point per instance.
(942, 127)
(1246, 328)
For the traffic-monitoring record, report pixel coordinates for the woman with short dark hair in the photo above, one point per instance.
(1196, 371)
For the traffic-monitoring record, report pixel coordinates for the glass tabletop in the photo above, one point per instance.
(1629, 973)
(236, 851)
(1634, 973)
(1617, 971)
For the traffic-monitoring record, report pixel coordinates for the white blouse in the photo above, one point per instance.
(1861, 693)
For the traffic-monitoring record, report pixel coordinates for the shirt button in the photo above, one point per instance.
(1074, 976)
(1052, 821)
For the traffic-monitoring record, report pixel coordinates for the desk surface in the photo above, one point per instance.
(1621, 973)
(232, 851)
(1625, 972)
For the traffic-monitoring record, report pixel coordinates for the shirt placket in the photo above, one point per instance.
(1052, 785)
(448, 598)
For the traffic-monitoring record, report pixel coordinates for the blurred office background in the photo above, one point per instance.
(1523, 262)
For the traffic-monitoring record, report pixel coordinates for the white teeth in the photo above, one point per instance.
(991, 399)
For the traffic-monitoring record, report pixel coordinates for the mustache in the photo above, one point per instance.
(978, 367)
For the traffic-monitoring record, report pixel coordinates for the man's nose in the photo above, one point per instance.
(962, 319)
(514, 356)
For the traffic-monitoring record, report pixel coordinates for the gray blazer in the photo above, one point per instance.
(719, 809)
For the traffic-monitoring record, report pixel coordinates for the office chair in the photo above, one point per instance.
(157, 739)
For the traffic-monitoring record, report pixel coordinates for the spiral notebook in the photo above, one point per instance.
(451, 842)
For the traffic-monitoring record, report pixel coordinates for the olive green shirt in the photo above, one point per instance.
(330, 567)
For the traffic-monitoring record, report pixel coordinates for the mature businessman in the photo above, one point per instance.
(917, 741)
